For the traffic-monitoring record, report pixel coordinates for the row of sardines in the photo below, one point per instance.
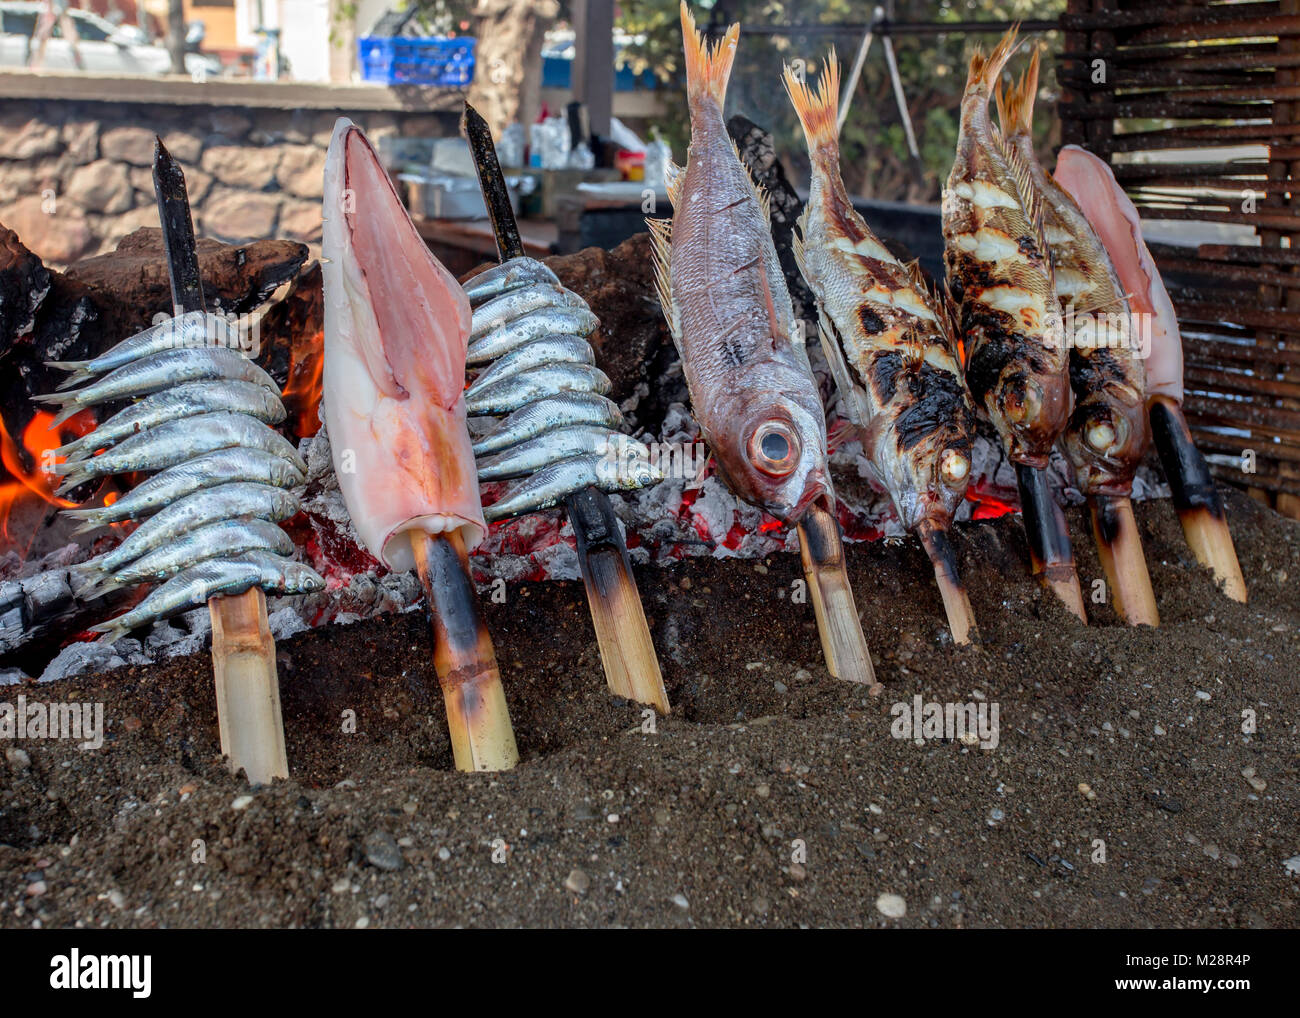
(1037, 332)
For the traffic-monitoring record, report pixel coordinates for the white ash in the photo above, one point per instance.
(13, 676)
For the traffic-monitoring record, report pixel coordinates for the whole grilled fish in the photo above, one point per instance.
(509, 306)
(1107, 434)
(545, 321)
(547, 350)
(509, 394)
(193, 586)
(172, 404)
(563, 410)
(174, 442)
(220, 467)
(547, 487)
(725, 299)
(239, 499)
(1000, 276)
(190, 331)
(887, 338)
(509, 275)
(159, 371)
(532, 455)
(224, 539)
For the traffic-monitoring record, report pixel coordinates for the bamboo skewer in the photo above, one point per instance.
(1119, 546)
(956, 602)
(478, 719)
(248, 689)
(243, 652)
(617, 615)
(1049, 539)
(1197, 500)
(821, 550)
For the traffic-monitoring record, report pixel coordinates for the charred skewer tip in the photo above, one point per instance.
(1196, 498)
(956, 602)
(1049, 539)
(1119, 546)
(821, 549)
(478, 719)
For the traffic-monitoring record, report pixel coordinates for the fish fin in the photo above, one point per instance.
(984, 71)
(94, 590)
(79, 373)
(1031, 196)
(661, 239)
(111, 633)
(764, 204)
(69, 409)
(796, 244)
(707, 67)
(1016, 104)
(818, 110)
(853, 396)
(674, 182)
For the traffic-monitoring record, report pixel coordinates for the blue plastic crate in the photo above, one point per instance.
(403, 61)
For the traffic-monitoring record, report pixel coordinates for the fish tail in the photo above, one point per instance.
(707, 67)
(79, 373)
(69, 409)
(984, 70)
(1016, 104)
(818, 110)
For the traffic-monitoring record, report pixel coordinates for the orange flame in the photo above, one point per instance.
(38, 443)
(303, 390)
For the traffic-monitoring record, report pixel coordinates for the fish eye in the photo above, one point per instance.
(954, 466)
(774, 448)
(1105, 433)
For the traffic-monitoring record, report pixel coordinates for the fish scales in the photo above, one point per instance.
(999, 273)
(1108, 432)
(887, 338)
(725, 300)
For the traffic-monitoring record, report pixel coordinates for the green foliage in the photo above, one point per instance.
(873, 144)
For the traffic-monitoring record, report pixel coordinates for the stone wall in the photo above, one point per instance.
(75, 175)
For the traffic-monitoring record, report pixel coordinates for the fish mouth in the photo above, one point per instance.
(816, 492)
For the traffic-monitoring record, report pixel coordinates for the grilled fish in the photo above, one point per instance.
(509, 394)
(725, 300)
(1107, 434)
(513, 305)
(191, 331)
(999, 273)
(216, 540)
(546, 321)
(177, 441)
(547, 350)
(887, 338)
(195, 585)
(547, 487)
(509, 275)
(532, 455)
(564, 409)
(172, 404)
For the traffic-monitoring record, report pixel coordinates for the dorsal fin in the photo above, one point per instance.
(674, 181)
(661, 240)
(1030, 195)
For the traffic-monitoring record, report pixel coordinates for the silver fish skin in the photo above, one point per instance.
(547, 350)
(216, 540)
(514, 305)
(509, 394)
(221, 467)
(574, 321)
(192, 587)
(191, 331)
(159, 371)
(562, 410)
(548, 487)
(240, 499)
(176, 441)
(556, 445)
(509, 275)
(172, 404)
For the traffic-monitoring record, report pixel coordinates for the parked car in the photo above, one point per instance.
(105, 48)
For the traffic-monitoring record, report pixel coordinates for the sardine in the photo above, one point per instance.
(557, 445)
(237, 500)
(176, 441)
(191, 331)
(887, 338)
(1000, 276)
(192, 587)
(216, 540)
(509, 394)
(560, 411)
(509, 275)
(159, 371)
(221, 467)
(547, 350)
(1108, 433)
(573, 321)
(724, 296)
(173, 404)
(547, 487)
(514, 305)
